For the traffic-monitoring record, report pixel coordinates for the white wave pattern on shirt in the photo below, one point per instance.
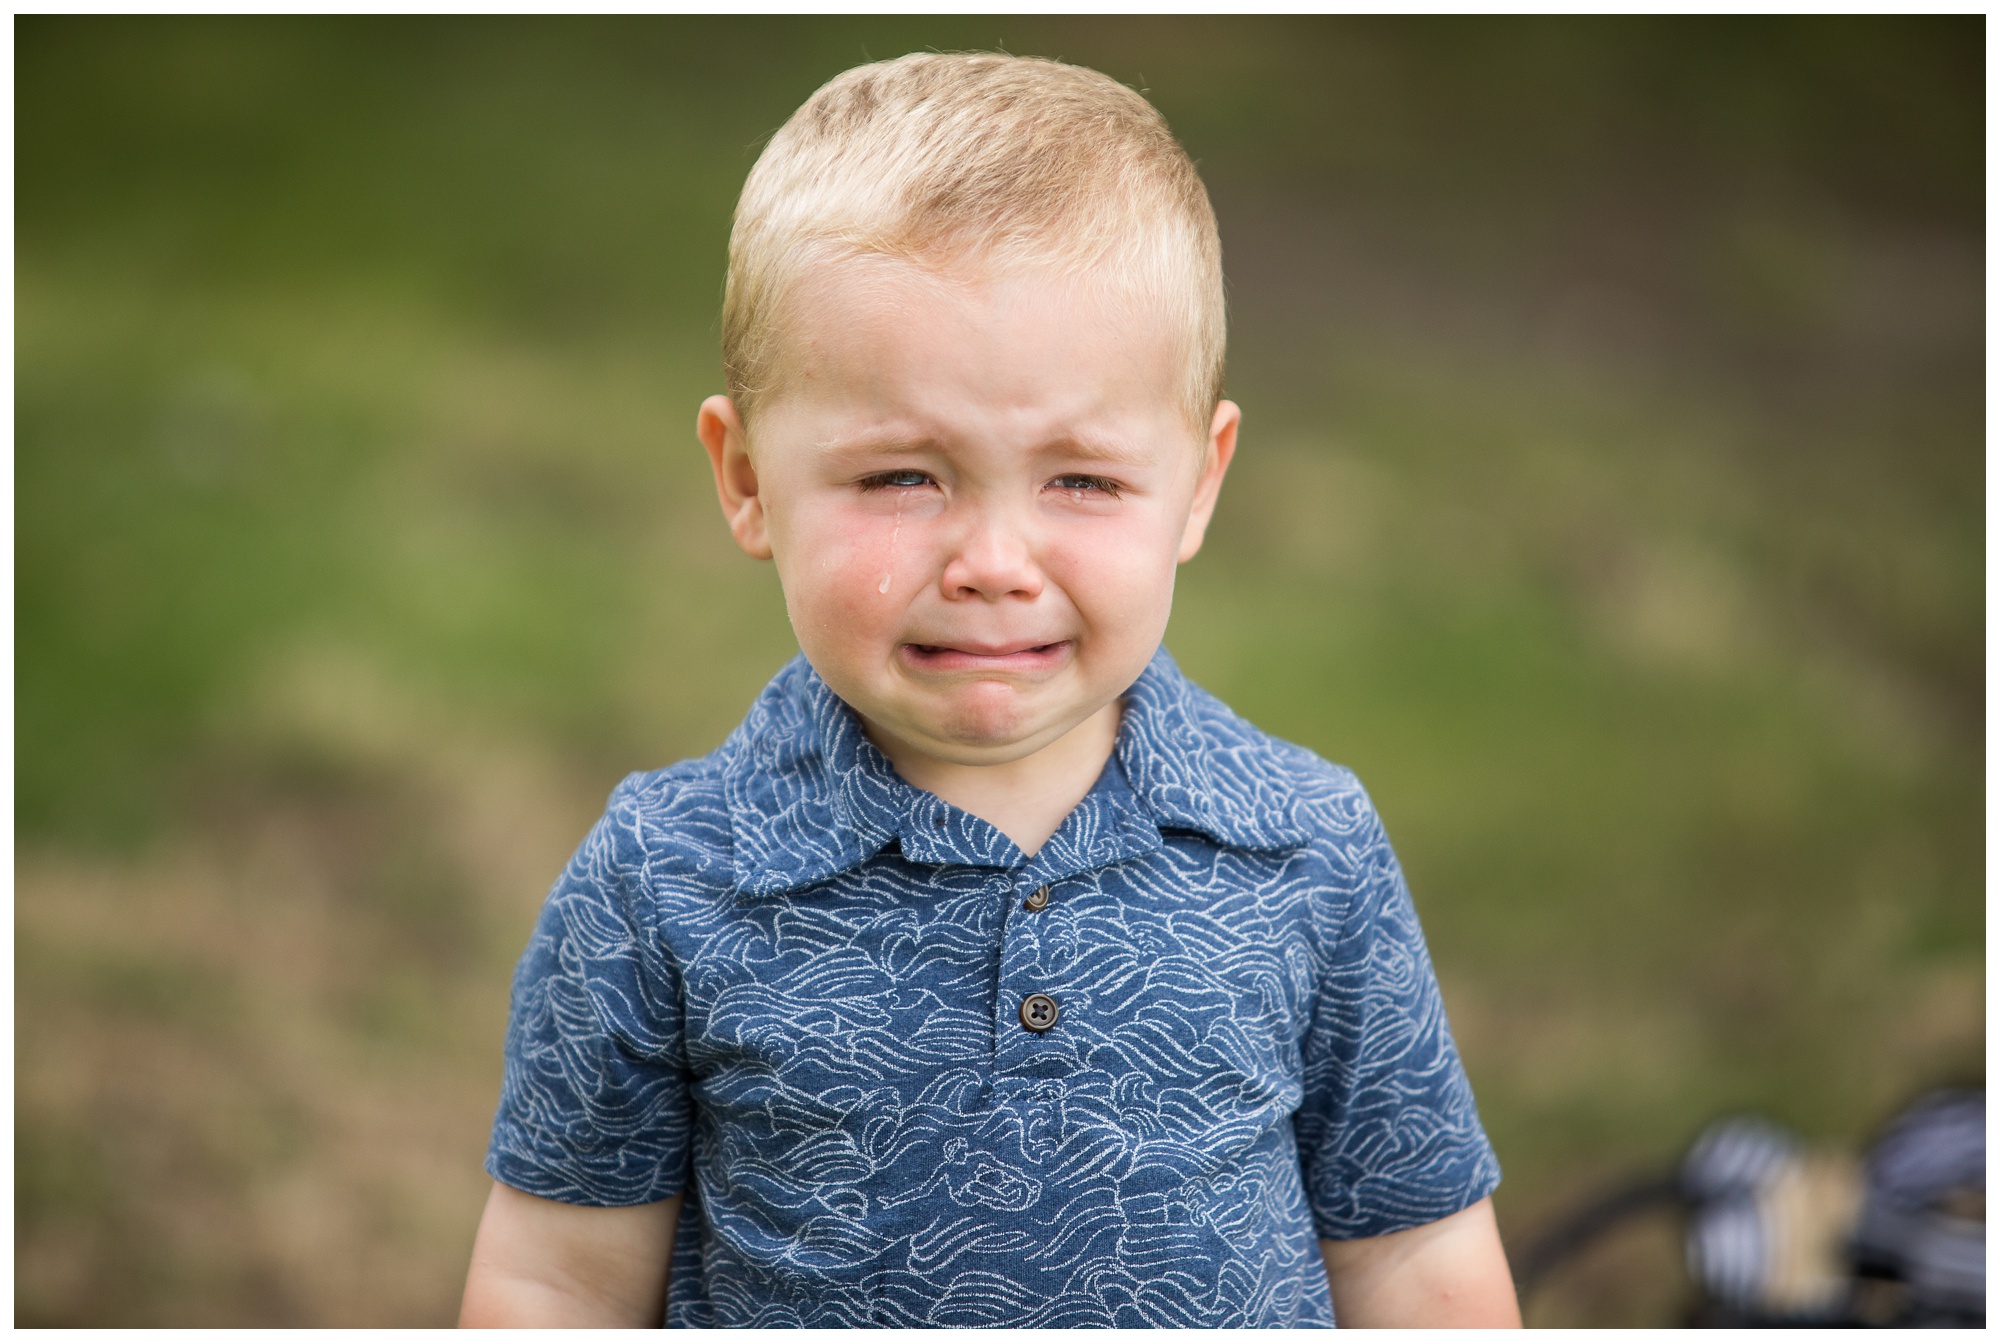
(736, 990)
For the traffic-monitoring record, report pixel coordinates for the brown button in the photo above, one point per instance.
(1040, 899)
(1039, 1012)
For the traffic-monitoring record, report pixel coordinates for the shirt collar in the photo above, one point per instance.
(810, 796)
(1197, 766)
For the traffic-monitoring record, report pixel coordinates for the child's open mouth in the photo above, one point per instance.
(1013, 657)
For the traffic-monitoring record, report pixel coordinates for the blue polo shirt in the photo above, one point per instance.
(906, 1075)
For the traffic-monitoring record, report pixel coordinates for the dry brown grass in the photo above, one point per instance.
(256, 1065)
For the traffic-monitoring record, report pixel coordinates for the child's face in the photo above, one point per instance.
(976, 491)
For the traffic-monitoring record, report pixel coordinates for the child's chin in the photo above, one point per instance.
(987, 733)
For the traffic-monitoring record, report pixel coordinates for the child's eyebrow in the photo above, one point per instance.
(1113, 451)
(883, 443)
(1066, 446)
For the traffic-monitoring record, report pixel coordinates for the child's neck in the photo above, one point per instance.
(1028, 799)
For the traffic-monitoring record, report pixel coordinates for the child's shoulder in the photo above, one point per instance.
(1281, 763)
(666, 826)
(688, 819)
(672, 798)
(1254, 779)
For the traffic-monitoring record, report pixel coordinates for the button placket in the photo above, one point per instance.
(1034, 1016)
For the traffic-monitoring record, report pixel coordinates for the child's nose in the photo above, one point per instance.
(993, 560)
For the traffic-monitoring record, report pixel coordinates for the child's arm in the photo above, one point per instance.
(1451, 1273)
(537, 1262)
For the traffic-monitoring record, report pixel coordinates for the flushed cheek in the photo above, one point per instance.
(848, 578)
(1115, 581)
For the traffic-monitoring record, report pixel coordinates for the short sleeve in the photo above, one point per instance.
(594, 1104)
(1388, 1134)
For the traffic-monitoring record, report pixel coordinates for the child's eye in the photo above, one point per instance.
(1076, 484)
(895, 480)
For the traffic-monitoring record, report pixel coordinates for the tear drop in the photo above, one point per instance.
(894, 531)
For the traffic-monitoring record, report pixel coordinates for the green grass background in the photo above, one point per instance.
(1610, 498)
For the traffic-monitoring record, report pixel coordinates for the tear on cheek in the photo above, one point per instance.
(895, 534)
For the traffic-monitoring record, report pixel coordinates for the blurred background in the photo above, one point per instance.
(1610, 498)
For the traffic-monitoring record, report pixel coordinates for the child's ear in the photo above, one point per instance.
(1216, 455)
(720, 430)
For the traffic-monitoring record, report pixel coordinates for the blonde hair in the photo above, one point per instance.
(942, 159)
